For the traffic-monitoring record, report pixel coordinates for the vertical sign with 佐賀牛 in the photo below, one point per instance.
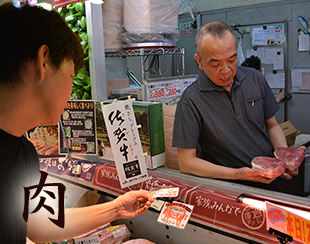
(125, 142)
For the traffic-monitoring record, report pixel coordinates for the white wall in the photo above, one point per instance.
(208, 5)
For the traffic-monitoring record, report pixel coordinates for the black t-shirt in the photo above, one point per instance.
(19, 169)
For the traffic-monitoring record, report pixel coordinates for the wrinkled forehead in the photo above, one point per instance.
(212, 41)
(213, 45)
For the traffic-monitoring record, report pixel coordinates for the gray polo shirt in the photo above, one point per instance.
(229, 130)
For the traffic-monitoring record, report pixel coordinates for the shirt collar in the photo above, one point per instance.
(205, 84)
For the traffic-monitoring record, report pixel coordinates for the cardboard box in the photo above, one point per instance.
(150, 116)
(290, 132)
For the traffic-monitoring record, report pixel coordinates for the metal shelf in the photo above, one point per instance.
(144, 52)
(155, 64)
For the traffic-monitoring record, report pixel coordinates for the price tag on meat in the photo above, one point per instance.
(88, 240)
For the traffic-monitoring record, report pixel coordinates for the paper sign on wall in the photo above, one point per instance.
(268, 35)
(125, 142)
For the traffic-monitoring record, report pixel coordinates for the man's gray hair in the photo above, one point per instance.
(216, 29)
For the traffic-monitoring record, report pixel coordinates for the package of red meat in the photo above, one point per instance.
(293, 157)
(45, 140)
(270, 167)
(139, 241)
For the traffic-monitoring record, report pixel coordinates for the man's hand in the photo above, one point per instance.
(132, 204)
(289, 172)
(251, 174)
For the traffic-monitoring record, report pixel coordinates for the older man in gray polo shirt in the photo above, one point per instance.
(228, 113)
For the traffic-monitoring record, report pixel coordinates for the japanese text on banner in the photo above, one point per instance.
(125, 142)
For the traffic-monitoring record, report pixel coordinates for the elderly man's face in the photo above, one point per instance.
(218, 59)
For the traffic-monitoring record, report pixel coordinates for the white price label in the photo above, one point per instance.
(158, 204)
(165, 192)
(88, 240)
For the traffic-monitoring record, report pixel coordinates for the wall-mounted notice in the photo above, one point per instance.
(125, 142)
(79, 128)
(301, 79)
(303, 43)
(275, 80)
(268, 35)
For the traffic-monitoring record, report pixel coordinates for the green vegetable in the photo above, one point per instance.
(75, 17)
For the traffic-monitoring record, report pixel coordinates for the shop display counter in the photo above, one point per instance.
(219, 215)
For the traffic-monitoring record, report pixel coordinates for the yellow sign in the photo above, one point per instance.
(297, 227)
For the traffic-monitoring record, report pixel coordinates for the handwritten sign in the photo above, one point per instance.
(175, 214)
(125, 142)
(287, 222)
(79, 129)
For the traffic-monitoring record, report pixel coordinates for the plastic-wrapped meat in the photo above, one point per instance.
(271, 167)
(108, 234)
(139, 241)
(293, 157)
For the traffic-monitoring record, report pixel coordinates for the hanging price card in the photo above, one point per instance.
(172, 88)
(156, 91)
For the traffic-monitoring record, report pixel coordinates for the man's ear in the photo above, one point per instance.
(43, 61)
(199, 61)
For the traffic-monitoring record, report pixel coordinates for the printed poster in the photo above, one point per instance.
(125, 142)
(79, 128)
(268, 35)
(292, 224)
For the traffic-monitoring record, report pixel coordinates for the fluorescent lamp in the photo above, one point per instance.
(260, 203)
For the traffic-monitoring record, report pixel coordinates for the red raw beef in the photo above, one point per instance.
(271, 167)
(293, 157)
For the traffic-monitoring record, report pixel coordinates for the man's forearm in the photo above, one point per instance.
(77, 222)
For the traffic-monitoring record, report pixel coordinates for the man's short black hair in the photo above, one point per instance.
(253, 62)
(23, 30)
